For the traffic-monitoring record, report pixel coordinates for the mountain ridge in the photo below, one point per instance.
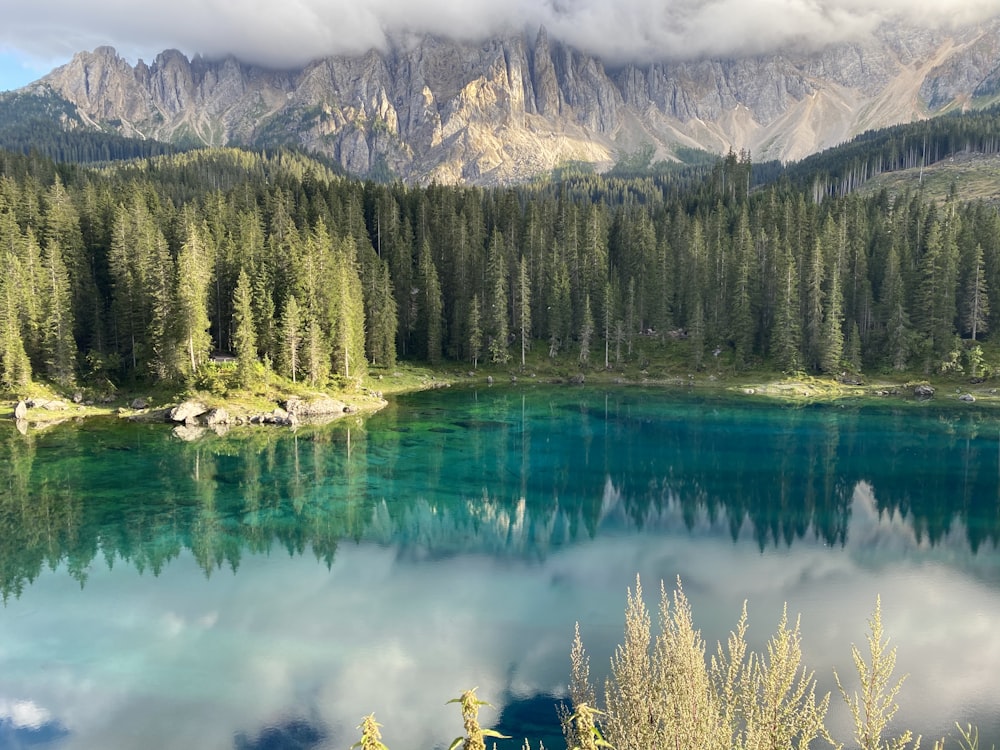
(512, 107)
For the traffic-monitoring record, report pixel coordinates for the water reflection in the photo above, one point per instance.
(303, 580)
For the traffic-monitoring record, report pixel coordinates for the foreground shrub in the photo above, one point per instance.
(664, 694)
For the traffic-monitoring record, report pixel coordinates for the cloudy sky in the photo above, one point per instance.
(36, 36)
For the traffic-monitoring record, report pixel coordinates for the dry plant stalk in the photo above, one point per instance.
(371, 737)
(663, 693)
(876, 705)
(475, 735)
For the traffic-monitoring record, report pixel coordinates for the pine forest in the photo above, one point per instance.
(147, 270)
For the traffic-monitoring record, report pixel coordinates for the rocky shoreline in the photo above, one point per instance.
(197, 416)
(192, 418)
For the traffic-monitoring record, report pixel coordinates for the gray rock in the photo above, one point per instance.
(923, 391)
(21, 410)
(187, 410)
(318, 407)
(139, 403)
(278, 417)
(967, 397)
(216, 417)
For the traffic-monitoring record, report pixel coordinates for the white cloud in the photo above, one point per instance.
(24, 714)
(293, 32)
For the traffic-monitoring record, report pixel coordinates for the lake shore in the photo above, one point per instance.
(43, 406)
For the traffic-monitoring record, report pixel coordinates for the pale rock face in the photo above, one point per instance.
(512, 107)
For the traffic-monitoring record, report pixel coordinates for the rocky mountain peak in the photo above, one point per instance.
(510, 107)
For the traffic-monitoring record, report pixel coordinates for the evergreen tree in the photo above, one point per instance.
(786, 336)
(62, 227)
(496, 329)
(815, 305)
(15, 367)
(975, 297)
(832, 339)
(316, 353)
(58, 344)
(381, 318)
(349, 339)
(524, 308)
(586, 332)
(741, 316)
(936, 296)
(429, 305)
(290, 346)
(191, 318)
(559, 307)
(893, 311)
(245, 333)
(475, 332)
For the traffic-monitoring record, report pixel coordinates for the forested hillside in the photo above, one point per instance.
(842, 170)
(140, 271)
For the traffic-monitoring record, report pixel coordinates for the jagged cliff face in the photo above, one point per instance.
(513, 107)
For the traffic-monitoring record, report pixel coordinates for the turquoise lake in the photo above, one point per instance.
(269, 589)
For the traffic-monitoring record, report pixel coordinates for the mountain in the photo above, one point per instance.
(515, 106)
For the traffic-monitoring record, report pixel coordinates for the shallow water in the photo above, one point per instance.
(269, 591)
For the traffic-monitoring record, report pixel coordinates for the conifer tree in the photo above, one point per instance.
(586, 332)
(62, 226)
(245, 333)
(381, 318)
(560, 311)
(30, 280)
(193, 276)
(349, 340)
(786, 337)
(832, 339)
(475, 332)
(290, 344)
(316, 353)
(496, 328)
(15, 367)
(429, 305)
(815, 274)
(58, 343)
(893, 311)
(524, 308)
(975, 297)
(741, 317)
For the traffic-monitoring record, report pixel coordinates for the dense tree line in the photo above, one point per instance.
(143, 270)
(843, 169)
